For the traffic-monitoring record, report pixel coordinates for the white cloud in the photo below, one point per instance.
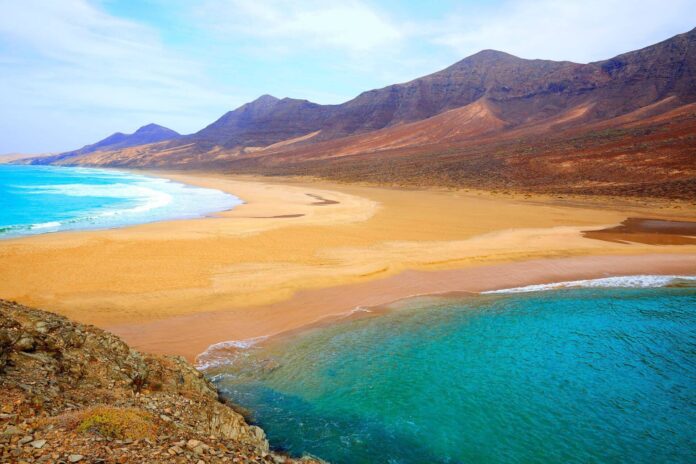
(352, 26)
(70, 59)
(580, 31)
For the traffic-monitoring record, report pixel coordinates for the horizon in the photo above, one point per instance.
(82, 70)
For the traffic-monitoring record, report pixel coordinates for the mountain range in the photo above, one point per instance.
(622, 126)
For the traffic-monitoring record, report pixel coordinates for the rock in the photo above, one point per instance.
(191, 444)
(161, 409)
(41, 327)
(11, 430)
(25, 343)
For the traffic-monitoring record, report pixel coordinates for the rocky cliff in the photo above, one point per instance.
(74, 393)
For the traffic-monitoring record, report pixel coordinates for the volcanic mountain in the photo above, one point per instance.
(146, 134)
(625, 125)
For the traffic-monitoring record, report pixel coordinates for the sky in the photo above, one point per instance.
(74, 71)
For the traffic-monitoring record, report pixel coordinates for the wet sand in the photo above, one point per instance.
(281, 261)
(650, 231)
(191, 334)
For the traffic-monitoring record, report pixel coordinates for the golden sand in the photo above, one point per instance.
(295, 236)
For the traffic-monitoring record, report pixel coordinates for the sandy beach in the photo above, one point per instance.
(299, 251)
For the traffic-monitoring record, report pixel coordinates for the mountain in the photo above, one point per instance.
(519, 90)
(146, 134)
(262, 122)
(9, 158)
(625, 125)
(489, 74)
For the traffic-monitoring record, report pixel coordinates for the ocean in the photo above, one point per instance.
(43, 199)
(589, 371)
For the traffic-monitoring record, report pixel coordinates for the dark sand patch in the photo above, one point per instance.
(322, 201)
(648, 231)
(280, 216)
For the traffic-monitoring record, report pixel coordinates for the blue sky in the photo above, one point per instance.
(75, 71)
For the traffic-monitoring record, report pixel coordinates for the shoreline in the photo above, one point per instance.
(219, 354)
(297, 251)
(152, 205)
(191, 335)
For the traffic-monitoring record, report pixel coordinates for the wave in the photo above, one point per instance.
(149, 198)
(224, 353)
(358, 309)
(49, 226)
(227, 352)
(635, 281)
(105, 199)
(45, 225)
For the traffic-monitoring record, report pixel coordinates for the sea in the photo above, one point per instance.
(597, 371)
(44, 199)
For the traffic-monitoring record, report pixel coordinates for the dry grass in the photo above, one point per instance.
(111, 422)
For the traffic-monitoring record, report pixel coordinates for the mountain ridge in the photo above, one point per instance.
(149, 133)
(477, 103)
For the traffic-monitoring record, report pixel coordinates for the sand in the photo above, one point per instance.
(298, 251)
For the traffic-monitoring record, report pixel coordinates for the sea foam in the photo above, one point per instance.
(49, 199)
(635, 281)
(224, 353)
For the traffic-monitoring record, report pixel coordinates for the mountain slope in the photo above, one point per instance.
(523, 90)
(654, 156)
(264, 121)
(495, 75)
(651, 74)
(434, 130)
(146, 134)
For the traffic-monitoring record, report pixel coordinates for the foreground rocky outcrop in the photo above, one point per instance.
(74, 393)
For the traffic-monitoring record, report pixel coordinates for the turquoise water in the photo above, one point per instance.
(573, 376)
(41, 199)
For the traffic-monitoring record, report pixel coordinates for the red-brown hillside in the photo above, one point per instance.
(622, 126)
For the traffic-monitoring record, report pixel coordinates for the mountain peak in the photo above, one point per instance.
(489, 55)
(149, 133)
(265, 98)
(489, 52)
(263, 103)
(153, 128)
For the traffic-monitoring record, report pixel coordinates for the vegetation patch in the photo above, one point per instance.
(114, 422)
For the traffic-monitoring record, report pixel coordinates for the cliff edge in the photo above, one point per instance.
(75, 393)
